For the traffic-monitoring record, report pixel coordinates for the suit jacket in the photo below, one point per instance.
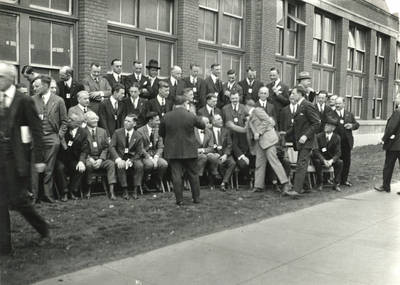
(346, 136)
(238, 117)
(56, 112)
(135, 147)
(216, 88)
(72, 91)
(328, 150)
(324, 115)
(263, 124)
(77, 148)
(110, 119)
(111, 79)
(199, 90)
(153, 89)
(285, 121)
(251, 92)
(176, 89)
(92, 86)
(177, 130)
(208, 140)
(278, 100)
(391, 138)
(223, 99)
(143, 84)
(270, 110)
(140, 111)
(154, 106)
(77, 110)
(22, 113)
(204, 112)
(224, 142)
(306, 122)
(103, 143)
(151, 146)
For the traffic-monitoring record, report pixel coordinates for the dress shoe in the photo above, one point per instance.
(347, 183)
(336, 188)
(319, 187)
(64, 198)
(46, 240)
(223, 187)
(286, 187)
(73, 197)
(126, 195)
(276, 188)
(196, 201)
(381, 189)
(217, 176)
(291, 193)
(257, 190)
(135, 193)
(180, 203)
(50, 200)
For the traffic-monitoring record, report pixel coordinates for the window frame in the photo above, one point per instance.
(171, 19)
(215, 14)
(120, 16)
(17, 46)
(355, 97)
(121, 35)
(234, 16)
(354, 51)
(48, 9)
(379, 78)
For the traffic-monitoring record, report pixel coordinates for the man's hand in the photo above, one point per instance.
(40, 167)
(256, 136)
(97, 163)
(245, 159)
(303, 139)
(200, 150)
(144, 91)
(227, 93)
(348, 126)
(80, 167)
(121, 164)
(223, 158)
(155, 161)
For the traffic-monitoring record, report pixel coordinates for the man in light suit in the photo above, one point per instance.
(68, 87)
(83, 104)
(197, 84)
(116, 75)
(20, 133)
(133, 104)
(111, 110)
(278, 91)
(251, 85)
(177, 130)
(53, 114)
(227, 88)
(263, 95)
(138, 77)
(97, 86)
(213, 82)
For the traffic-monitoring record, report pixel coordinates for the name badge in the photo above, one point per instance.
(95, 144)
(341, 121)
(68, 96)
(235, 120)
(162, 114)
(323, 149)
(150, 144)
(216, 93)
(145, 83)
(194, 89)
(215, 146)
(115, 117)
(292, 121)
(41, 116)
(70, 143)
(126, 150)
(219, 147)
(250, 90)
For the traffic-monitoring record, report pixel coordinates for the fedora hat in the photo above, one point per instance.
(304, 75)
(331, 121)
(153, 64)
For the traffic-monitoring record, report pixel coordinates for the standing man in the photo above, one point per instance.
(391, 144)
(347, 123)
(152, 86)
(133, 104)
(177, 130)
(210, 109)
(227, 89)
(116, 75)
(323, 109)
(197, 84)
(111, 110)
(263, 96)
(213, 82)
(176, 85)
(305, 126)
(138, 77)
(332, 102)
(251, 85)
(304, 80)
(68, 87)
(19, 122)
(278, 92)
(161, 104)
(53, 114)
(97, 86)
(286, 116)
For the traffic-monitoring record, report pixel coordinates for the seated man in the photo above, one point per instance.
(328, 154)
(98, 142)
(153, 147)
(206, 154)
(210, 109)
(72, 157)
(223, 148)
(127, 151)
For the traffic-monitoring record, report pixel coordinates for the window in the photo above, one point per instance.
(397, 63)
(292, 30)
(230, 61)
(379, 55)
(354, 91)
(123, 47)
(161, 51)
(324, 40)
(280, 27)
(290, 73)
(323, 80)
(380, 49)
(50, 43)
(356, 49)
(208, 22)
(156, 15)
(61, 6)
(8, 37)
(232, 22)
(122, 11)
(377, 99)
(207, 57)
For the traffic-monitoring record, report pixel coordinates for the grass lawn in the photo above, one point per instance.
(92, 232)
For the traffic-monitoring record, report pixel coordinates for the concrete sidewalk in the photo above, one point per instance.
(354, 240)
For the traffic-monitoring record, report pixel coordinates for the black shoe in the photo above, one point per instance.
(49, 200)
(336, 188)
(381, 189)
(347, 183)
(73, 197)
(180, 203)
(319, 187)
(257, 190)
(196, 201)
(64, 198)
(223, 187)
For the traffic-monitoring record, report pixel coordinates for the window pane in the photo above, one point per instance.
(129, 52)
(292, 41)
(290, 74)
(226, 29)
(359, 61)
(41, 3)
(316, 51)
(114, 47)
(8, 37)
(165, 58)
(207, 58)
(316, 79)
(230, 62)
(349, 85)
(279, 66)
(360, 40)
(233, 7)
(327, 81)
(329, 30)
(148, 12)
(61, 45)
(317, 26)
(209, 26)
(164, 16)
(352, 40)
(357, 107)
(235, 32)
(212, 4)
(350, 58)
(201, 24)
(279, 41)
(329, 52)
(127, 11)
(62, 5)
(40, 42)
(279, 13)
(151, 50)
(398, 54)
(53, 73)
(113, 10)
(292, 9)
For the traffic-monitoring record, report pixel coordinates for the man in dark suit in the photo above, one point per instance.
(111, 110)
(305, 126)
(72, 158)
(347, 123)
(140, 79)
(133, 104)
(286, 116)
(97, 159)
(263, 95)
(53, 114)
(161, 104)
(210, 109)
(177, 130)
(152, 86)
(20, 132)
(304, 80)
(251, 85)
(391, 145)
(223, 148)
(116, 75)
(327, 154)
(213, 82)
(68, 87)
(197, 84)
(127, 151)
(227, 89)
(323, 108)
(176, 85)
(278, 91)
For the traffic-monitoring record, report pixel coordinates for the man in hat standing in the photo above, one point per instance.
(304, 80)
(152, 86)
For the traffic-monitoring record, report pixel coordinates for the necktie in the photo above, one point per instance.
(119, 78)
(162, 102)
(93, 135)
(84, 109)
(127, 139)
(212, 113)
(151, 135)
(235, 108)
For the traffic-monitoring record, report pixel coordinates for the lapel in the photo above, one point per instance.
(50, 104)
(96, 85)
(132, 140)
(72, 88)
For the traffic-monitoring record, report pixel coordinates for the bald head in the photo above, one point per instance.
(176, 72)
(8, 74)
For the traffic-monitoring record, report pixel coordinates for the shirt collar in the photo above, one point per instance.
(209, 108)
(74, 131)
(82, 107)
(46, 96)
(159, 99)
(173, 80)
(192, 78)
(300, 101)
(135, 100)
(138, 76)
(113, 100)
(69, 82)
(248, 82)
(149, 128)
(116, 76)
(129, 132)
(215, 129)
(213, 77)
(277, 82)
(91, 129)
(329, 136)
(262, 102)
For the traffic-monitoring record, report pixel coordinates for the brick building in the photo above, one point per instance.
(350, 46)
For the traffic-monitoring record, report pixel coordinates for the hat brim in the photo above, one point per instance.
(305, 77)
(152, 66)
